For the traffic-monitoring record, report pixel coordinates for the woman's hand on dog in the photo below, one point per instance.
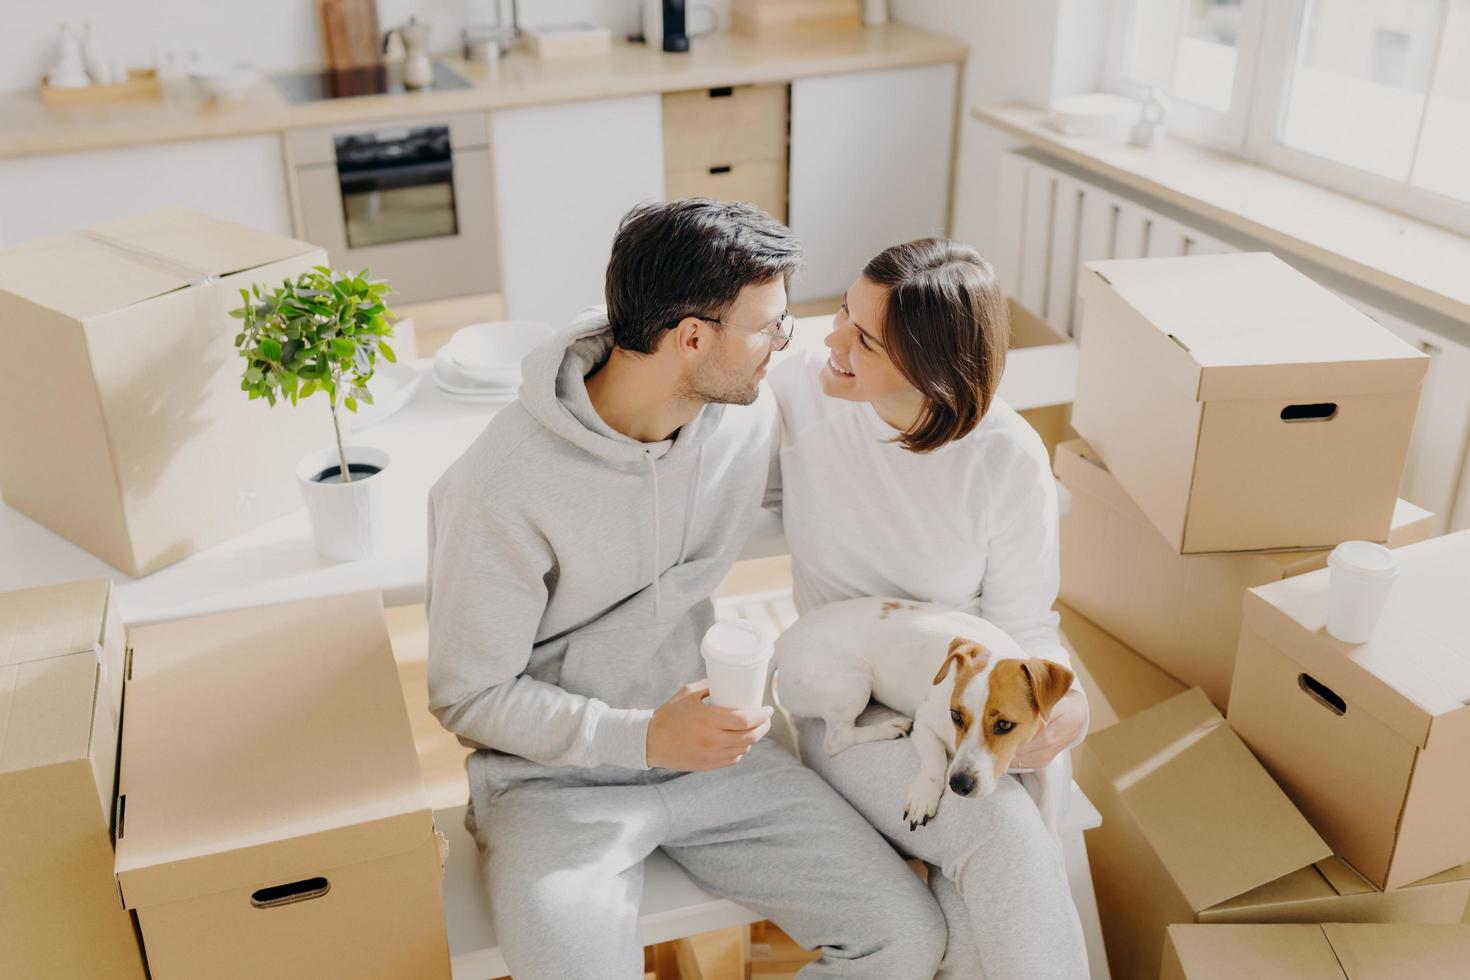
(687, 735)
(1068, 720)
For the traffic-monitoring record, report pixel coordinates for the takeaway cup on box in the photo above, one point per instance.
(736, 657)
(1372, 741)
(1362, 574)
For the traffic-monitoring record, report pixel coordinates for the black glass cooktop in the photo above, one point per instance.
(315, 86)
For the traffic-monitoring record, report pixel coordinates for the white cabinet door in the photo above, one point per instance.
(870, 165)
(565, 175)
(241, 180)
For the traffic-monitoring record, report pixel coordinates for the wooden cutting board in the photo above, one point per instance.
(350, 34)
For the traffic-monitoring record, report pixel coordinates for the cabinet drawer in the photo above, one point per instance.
(762, 183)
(724, 126)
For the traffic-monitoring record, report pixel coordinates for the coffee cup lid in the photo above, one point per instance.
(1364, 559)
(737, 643)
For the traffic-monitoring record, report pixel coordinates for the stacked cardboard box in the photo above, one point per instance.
(1195, 830)
(1242, 406)
(258, 804)
(1334, 951)
(1240, 422)
(1372, 740)
(271, 816)
(62, 654)
(1182, 612)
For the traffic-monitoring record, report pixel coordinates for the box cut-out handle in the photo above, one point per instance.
(1316, 412)
(1181, 343)
(1322, 694)
(721, 92)
(721, 170)
(287, 894)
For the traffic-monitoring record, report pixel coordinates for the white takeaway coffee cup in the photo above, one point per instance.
(1361, 575)
(736, 656)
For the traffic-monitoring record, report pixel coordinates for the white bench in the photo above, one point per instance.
(675, 907)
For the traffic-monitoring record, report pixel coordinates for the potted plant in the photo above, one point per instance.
(323, 333)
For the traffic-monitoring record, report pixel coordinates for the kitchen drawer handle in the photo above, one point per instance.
(1322, 694)
(723, 92)
(1318, 412)
(295, 891)
(720, 170)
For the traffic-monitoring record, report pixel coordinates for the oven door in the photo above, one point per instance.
(411, 201)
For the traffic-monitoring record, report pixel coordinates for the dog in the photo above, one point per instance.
(971, 695)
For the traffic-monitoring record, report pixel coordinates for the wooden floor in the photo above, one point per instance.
(441, 757)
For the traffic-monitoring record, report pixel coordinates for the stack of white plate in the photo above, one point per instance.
(482, 363)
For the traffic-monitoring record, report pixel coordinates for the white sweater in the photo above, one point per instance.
(972, 526)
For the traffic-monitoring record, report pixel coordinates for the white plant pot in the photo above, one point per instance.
(344, 516)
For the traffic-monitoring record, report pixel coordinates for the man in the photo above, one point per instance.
(573, 550)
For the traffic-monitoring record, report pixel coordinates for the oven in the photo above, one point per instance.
(409, 200)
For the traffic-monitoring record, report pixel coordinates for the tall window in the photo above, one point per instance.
(1371, 97)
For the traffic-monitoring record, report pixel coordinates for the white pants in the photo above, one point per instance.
(564, 865)
(1002, 882)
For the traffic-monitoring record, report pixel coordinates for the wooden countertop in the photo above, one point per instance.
(29, 127)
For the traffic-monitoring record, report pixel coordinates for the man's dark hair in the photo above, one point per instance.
(689, 258)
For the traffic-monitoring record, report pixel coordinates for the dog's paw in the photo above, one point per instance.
(896, 727)
(923, 801)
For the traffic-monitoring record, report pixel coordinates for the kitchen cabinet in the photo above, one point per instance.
(242, 179)
(870, 167)
(728, 143)
(564, 177)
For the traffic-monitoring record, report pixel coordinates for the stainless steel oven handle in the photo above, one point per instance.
(391, 177)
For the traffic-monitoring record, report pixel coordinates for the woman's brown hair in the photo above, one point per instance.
(946, 328)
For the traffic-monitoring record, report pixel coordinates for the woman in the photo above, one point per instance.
(901, 474)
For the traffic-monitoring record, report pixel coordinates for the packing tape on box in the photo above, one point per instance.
(197, 277)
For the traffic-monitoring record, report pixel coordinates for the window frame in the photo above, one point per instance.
(1270, 37)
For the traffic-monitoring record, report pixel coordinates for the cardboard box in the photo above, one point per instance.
(1195, 830)
(1183, 612)
(135, 441)
(1371, 741)
(1244, 407)
(1117, 681)
(272, 821)
(767, 19)
(61, 665)
(1052, 420)
(1189, 820)
(1335, 951)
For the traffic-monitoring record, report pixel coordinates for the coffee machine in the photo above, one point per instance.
(664, 23)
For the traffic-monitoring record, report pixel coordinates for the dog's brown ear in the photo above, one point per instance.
(1049, 682)
(964, 652)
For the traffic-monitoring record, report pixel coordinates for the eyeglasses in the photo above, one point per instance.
(780, 333)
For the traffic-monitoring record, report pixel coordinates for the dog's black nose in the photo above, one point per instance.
(962, 783)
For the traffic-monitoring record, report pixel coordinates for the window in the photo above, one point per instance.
(1198, 53)
(1369, 97)
(1188, 49)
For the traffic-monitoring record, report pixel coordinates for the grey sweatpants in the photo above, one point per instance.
(1001, 883)
(564, 864)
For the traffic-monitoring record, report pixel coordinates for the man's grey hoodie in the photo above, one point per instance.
(570, 570)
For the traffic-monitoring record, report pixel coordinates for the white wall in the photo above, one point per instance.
(1025, 50)
(273, 34)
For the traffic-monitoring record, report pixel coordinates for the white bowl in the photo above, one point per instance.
(491, 353)
(449, 376)
(222, 81)
(1094, 114)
